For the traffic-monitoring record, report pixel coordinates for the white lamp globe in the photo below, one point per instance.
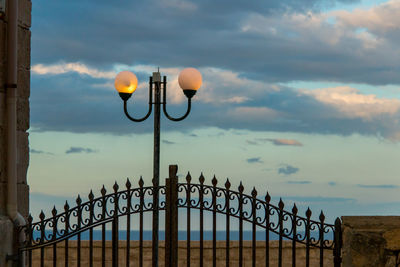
(126, 82)
(190, 79)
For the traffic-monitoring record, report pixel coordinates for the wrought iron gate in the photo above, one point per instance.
(50, 238)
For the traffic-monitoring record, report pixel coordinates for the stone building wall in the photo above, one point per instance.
(23, 92)
(195, 254)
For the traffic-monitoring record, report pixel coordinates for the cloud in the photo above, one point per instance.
(342, 111)
(73, 150)
(351, 103)
(76, 67)
(299, 182)
(379, 186)
(305, 199)
(288, 170)
(254, 160)
(168, 142)
(277, 142)
(298, 36)
(35, 151)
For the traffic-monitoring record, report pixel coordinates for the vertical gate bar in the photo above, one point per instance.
(54, 214)
(214, 213)
(91, 214)
(42, 257)
(241, 188)
(281, 206)
(141, 194)
(228, 226)
(254, 211)
(91, 247)
(168, 222)
(42, 237)
(337, 243)
(78, 247)
(103, 245)
(201, 192)
(267, 225)
(103, 226)
(30, 238)
(188, 202)
(173, 169)
(128, 222)
(308, 228)
(294, 240)
(171, 218)
(321, 239)
(115, 222)
(114, 233)
(66, 231)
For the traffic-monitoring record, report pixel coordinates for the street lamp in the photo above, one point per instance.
(126, 83)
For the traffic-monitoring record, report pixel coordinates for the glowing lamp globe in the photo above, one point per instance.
(125, 83)
(190, 81)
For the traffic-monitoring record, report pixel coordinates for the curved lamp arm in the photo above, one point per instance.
(165, 104)
(150, 107)
(134, 119)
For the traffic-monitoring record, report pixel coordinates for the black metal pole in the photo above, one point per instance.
(156, 163)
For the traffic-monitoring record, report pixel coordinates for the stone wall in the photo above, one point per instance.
(371, 241)
(134, 254)
(23, 91)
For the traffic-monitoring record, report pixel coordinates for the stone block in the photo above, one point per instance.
(23, 156)
(3, 195)
(370, 240)
(25, 10)
(22, 114)
(2, 109)
(24, 48)
(3, 39)
(6, 234)
(24, 81)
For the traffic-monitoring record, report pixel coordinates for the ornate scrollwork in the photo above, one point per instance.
(212, 198)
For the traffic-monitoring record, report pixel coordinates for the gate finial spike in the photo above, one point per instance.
(241, 188)
(281, 205)
(115, 187)
(214, 181)
(128, 183)
(267, 197)
(103, 191)
(201, 179)
(141, 181)
(227, 184)
(41, 215)
(322, 216)
(54, 211)
(254, 192)
(91, 196)
(295, 210)
(78, 200)
(308, 213)
(188, 177)
(66, 206)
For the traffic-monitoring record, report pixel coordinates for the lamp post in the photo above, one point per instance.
(126, 83)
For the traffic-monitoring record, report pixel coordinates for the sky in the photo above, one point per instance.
(300, 98)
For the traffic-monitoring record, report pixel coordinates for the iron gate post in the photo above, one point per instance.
(171, 218)
(337, 243)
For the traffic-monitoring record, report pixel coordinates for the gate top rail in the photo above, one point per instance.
(222, 200)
